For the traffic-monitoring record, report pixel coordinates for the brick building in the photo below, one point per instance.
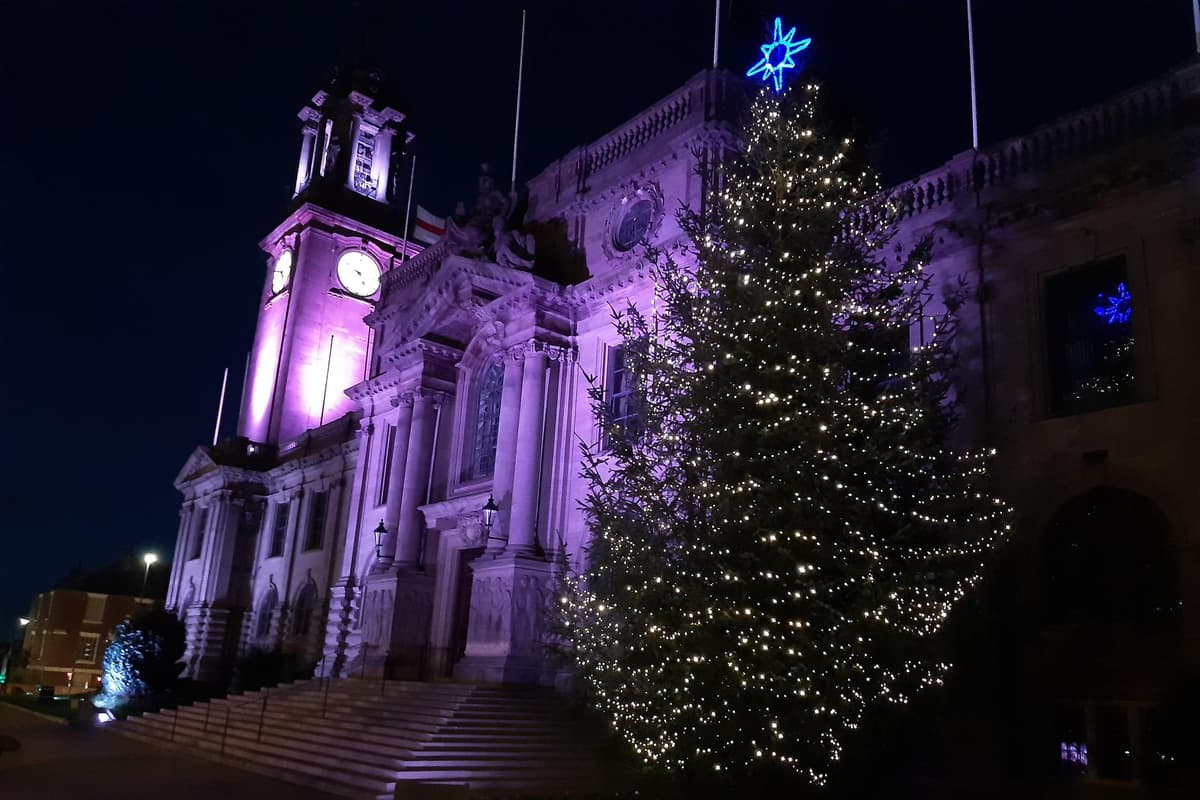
(67, 634)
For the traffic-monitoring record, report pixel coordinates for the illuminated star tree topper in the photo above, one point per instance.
(1116, 309)
(777, 55)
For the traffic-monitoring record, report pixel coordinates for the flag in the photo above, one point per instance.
(428, 228)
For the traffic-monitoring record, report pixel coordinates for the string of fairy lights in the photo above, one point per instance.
(776, 542)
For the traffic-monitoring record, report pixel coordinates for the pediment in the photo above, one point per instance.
(198, 464)
(457, 299)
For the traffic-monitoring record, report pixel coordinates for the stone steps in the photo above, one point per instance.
(487, 738)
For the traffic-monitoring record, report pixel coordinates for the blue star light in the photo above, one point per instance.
(1118, 308)
(777, 55)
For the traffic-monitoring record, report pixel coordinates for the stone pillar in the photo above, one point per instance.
(219, 549)
(506, 444)
(522, 531)
(394, 635)
(416, 477)
(177, 577)
(507, 635)
(212, 645)
(395, 477)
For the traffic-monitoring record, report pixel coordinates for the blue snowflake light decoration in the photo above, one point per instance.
(1117, 308)
(777, 55)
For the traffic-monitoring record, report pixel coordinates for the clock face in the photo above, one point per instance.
(282, 273)
(634, 224)
(358, 273)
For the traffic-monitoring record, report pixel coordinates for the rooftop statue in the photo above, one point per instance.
(491, 228)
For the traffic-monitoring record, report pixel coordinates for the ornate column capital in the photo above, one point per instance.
(402, 400)
(552, 351)
(434, 396)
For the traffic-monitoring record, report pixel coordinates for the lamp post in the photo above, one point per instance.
(487, 516)
(380, 532)
(149, 559)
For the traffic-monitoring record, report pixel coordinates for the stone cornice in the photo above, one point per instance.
(1001, 168)
(311, 215)
(420, 351)
(373, 387)
(454, 506)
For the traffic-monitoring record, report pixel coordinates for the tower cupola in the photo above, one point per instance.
(352, 138)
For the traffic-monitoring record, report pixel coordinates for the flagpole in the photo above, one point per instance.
(1196, 22)
(412, 174)
(717, 32)
(971, 56)
(517, 122)
(220, 406)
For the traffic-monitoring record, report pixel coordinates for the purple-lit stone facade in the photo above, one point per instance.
(381, 427)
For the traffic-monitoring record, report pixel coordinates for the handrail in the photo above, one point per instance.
(262, 702)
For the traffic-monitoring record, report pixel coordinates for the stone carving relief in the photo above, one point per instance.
(377, 616)
(491, 600)
(507, 617)
(529, 605)
(470, 529)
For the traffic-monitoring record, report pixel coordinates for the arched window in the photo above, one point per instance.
(306, 602)
(266, 609)
(487, 422)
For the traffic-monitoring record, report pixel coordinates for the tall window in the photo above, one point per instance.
(279, 530)
(364, 154)
(487, 422)
(385, 463)
(315, 532)
(94, 612)
(306, 602)
(1089, 338)
(620, 395)
(198, 534)
(325, 145)
(266, 610)
(89, 645)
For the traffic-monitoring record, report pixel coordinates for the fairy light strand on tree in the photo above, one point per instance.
(779, 536)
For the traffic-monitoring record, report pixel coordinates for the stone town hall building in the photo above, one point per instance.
(397, 389)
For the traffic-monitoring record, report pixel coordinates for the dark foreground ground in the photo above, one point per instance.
(56, 761)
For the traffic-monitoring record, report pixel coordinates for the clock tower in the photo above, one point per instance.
(326, 260)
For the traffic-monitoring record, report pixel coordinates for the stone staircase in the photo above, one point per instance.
(360, 739)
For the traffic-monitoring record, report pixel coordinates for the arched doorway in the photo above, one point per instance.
(1109, 649)
(1107, 563)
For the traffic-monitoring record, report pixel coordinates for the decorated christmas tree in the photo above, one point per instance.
(779, 523)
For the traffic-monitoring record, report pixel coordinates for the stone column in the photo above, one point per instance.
(177, 577)
(506, 444)
(522, 531)
(416, 477)
(507, 636)
(395, 476)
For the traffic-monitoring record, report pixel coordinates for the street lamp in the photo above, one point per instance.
(487, 515)
(380, 532)
(149, 559)
(23, 621)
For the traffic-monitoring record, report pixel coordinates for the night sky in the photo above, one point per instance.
(146, 147)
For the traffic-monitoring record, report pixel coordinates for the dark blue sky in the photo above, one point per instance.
(146, 147)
